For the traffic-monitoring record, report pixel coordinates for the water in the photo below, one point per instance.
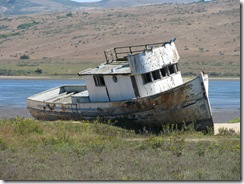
(13, 92)
(223, 94)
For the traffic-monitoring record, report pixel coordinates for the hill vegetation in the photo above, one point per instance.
(208, 37)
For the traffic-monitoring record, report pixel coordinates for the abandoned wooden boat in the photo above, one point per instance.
(140, 84)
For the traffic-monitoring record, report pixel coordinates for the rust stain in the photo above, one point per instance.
(50, 106)
(63, 108)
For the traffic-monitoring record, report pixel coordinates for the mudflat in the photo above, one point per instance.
(7, 112)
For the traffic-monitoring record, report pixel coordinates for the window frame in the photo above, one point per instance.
(176, 67)
(99, 81)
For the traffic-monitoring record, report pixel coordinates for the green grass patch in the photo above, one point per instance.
(235, 120)
(10, 72)
(8, 35)
(64, 67)
(27, 25)
(81, 150)
(48, 68)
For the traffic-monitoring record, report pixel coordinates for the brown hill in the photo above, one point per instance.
(17, 7)
(208, 34)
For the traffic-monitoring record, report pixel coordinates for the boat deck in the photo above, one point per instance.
(70, 97)
(61, 98)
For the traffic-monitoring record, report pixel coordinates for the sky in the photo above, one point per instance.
(82, 1)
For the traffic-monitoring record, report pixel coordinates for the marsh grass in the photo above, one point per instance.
(226, 131)
(235, 120)
(67, 150)
(48, 67)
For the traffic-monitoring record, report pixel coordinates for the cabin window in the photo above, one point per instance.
(171, 69)
(99, 80)
(156, 75)
(146, 77)
(164, 71)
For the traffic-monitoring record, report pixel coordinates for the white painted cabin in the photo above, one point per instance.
(137, 73)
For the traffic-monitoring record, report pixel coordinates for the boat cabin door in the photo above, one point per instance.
(134, 84)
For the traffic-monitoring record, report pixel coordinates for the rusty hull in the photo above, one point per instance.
(185, 103)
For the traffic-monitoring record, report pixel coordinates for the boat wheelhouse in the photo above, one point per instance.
(132, 72)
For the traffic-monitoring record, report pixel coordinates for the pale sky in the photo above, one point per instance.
(82, 1)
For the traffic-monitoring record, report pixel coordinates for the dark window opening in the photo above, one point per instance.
(99, 80)
(156, 75)
(164, 71)
(146, 78)
(171, 69)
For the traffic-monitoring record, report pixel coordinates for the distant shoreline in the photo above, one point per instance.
(40, 77)
(74, 77)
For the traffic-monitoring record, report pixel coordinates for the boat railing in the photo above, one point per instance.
(121, 53)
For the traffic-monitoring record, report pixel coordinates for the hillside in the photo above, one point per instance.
(208, 35)
(17, 7)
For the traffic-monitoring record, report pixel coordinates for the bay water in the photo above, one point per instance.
(223, 94)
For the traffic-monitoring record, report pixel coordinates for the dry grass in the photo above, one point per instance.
(38, 150)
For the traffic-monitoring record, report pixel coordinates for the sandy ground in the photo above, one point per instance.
(230, 126)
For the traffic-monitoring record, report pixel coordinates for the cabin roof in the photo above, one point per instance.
(114, 67)
(127, 60)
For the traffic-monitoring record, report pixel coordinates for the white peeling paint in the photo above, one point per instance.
(153, 60)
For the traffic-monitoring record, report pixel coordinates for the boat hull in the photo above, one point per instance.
(187, 103)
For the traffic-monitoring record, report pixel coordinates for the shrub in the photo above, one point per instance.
(38, 70)
(176, 145)
(8, 35)
(27, 25)
(3, 145)
(85, 13)
(156, 142)
(26, 126)
(70, 14)
(226, 131)
(24, 57)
